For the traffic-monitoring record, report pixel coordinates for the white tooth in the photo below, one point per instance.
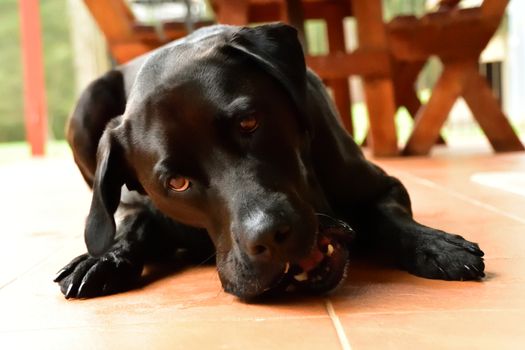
(329, 250)
(286, 267)
(301, 277)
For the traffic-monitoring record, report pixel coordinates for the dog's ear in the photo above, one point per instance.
(109, 178)
(276, 48)
(102, 101)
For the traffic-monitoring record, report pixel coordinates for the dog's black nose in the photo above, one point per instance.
(270, 241)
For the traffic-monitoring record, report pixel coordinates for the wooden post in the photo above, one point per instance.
(34, 88)
(379, 90)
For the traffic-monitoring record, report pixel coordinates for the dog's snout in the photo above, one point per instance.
(275, 231)
(268, 242)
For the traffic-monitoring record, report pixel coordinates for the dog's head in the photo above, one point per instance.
(216, 134)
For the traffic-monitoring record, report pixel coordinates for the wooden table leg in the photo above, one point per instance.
(431, 117)
(379, 92)
(487, 112)
(405, 77)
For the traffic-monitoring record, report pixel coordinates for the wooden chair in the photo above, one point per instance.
(457, 37)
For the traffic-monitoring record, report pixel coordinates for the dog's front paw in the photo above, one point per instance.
(87, 277)
(440, 255)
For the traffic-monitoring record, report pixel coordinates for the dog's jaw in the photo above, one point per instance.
(323, 270)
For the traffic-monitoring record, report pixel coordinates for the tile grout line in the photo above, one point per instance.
(32, 267)
(29, 269)
(467, 199)
(341, 335)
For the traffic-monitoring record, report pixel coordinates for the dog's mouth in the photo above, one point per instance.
(326, 266)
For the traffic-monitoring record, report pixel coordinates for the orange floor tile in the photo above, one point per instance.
(43, 204)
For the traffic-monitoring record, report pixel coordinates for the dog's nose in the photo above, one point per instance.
(269, 242)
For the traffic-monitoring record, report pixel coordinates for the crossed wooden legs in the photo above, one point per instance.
(461, 79)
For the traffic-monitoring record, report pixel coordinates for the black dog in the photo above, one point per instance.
(226, 142)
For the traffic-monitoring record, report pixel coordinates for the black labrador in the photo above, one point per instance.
(227, 144)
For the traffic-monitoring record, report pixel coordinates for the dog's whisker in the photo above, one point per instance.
(207, 259)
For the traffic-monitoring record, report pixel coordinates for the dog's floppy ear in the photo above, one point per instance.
(109, 178)
(276, 48)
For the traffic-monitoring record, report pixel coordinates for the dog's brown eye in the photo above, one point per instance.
(179, 184)
(249, 124)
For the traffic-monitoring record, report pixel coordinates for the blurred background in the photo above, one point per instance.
(75, 52)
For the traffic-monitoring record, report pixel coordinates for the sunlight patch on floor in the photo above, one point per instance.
(513, 182)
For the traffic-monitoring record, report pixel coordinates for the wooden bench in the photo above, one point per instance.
(457, 37)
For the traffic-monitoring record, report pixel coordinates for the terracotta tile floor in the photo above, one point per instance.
(43, 204)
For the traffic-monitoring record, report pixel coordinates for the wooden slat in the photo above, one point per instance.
(171, 31)
(113, 18)
(431, 117)
(413, 39)
(268, 11)
(379, 92)
(340, 87)
(405, 77)
(360, 62)
(494, 9)
(486, 110)
(231, 12)
(126, 51)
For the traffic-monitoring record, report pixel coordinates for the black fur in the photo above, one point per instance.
(176, 112)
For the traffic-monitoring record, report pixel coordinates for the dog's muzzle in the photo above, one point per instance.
(326, 266)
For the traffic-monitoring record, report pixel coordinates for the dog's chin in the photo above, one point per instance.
(322, 271)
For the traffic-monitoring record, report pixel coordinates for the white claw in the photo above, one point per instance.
(301, 277)
(329, 250)
(286, 267)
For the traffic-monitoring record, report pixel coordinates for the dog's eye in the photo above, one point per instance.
(249, 124)
(179, 184)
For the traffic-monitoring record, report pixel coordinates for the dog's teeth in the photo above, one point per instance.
(301, 277)
(287, 267)
(329, 250)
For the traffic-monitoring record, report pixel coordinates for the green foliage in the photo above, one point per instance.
(58, 56)
(59, 75)
(392, 8)
(11, 108)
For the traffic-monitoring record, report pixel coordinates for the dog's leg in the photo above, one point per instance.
(142, 235)
(377, 205)
(421, 250)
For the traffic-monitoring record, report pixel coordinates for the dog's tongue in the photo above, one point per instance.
(312, 261)
(316, 256)
(328, 226)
